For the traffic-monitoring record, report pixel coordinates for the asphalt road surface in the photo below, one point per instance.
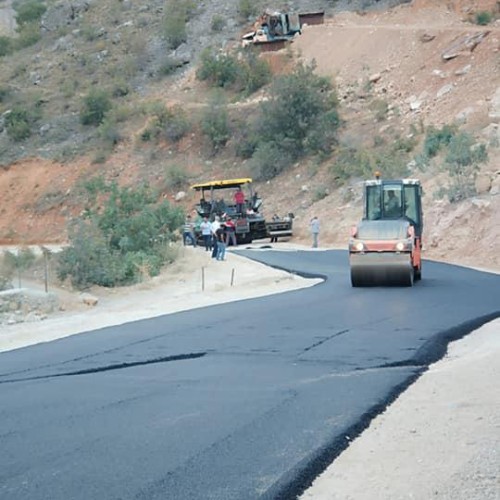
(245, 400)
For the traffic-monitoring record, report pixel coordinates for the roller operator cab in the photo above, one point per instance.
(385, 247)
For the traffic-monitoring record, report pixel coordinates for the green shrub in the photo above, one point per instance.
(94, 107)
(319, 194)
(176, 177)
(89, 32)
(6, 46)
(269, 160)
(120, 242)
(405, 144)
(122, 113)
(247, 8)
(175, 29)
(109, 133)
(20, 261)
(120, 88)
(380, 108)
(4, 93)
(483, 18)
(174, 24)
(246, 73)
(218, 23)
(28, 35)
(218, 68)
(351, 162)
(30, 11)
(175, 124)
(462, 164)
(5, 281)
(18, 123)
(254, 72)
(215, 125)
(246, 144)
(170, 123)
(462, 151)
(435, 139)
(147, 135)
(301, 114)
(6, 273)
(168, 66)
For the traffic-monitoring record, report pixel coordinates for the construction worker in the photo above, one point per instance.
(314, 225)
(230, 232)
(239, 200)
(188, 232)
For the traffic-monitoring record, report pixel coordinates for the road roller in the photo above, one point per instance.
(385, 247)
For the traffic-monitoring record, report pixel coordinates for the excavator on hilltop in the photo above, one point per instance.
(385, 247)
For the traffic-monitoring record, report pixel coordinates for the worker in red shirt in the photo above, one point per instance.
(239, 200)
(230, 232)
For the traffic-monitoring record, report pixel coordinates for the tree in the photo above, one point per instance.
(300, 117)
(112, 245)
(20, 261)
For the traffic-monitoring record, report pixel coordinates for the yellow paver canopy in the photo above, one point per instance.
(221, 184)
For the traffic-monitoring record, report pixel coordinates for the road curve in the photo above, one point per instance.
(245, 400)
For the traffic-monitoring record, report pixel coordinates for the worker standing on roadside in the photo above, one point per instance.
(221, 244)
(188, 232)
(314, 225)
(230, 232)
(215, 227)
(206, 232)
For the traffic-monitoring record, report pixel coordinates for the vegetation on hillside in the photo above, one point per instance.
(124, 235)
(14, 264)
(301, 117)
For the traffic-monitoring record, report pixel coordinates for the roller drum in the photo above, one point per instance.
(381, 269)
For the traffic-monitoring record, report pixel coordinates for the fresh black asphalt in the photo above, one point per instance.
(245, 400)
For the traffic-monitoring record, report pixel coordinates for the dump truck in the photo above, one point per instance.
(385, 247)
(217, 199)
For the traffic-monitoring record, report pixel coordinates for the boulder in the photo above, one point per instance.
(495, 185)
(89, 300)
(464, 44)
(463, 71)
(483, 184)
(427, 37)
(446, 89)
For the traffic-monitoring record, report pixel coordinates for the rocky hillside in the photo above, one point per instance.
(399, 67)
(124, 47)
